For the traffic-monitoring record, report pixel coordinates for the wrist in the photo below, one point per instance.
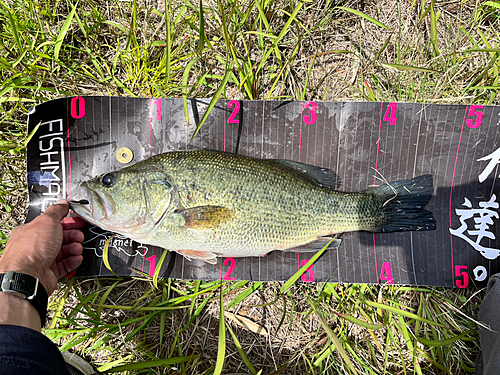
(17, 311)
(20, 267)
(26, 288)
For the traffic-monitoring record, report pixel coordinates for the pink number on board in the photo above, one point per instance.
(152, 265)
(390, 113)
(77, 113)
(459, 273)
(157, 102)
(472, 113)
(310, 273)
(236, 109)
(310, 119)
(227, 275)
(386, 273)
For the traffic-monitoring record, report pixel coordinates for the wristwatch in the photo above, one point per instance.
(26, 287)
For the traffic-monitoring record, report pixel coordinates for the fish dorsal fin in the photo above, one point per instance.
(205, 217)
(322, 176)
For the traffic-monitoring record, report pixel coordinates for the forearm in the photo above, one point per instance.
(17, 311)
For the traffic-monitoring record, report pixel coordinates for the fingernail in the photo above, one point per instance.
(62, 201)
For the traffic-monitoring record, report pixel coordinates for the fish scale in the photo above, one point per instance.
(274, 207)
(209, 203)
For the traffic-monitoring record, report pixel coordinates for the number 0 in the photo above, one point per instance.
(77, 107)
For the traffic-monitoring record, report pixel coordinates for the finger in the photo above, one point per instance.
(73, 223)
(69, 250)
(58, 211)
(73, 235)
(67, 265)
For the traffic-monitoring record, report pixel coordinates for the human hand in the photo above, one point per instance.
(48, 248)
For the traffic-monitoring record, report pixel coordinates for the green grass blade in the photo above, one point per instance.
(306, 84)
(270, 36)
(492, 4)
(185, 78)
(197, 312)
(365, 16)
(433, 35)
(283, 32)
(409, 343)
(333, 337)
(14, 27)
(117, 25)
(221, 351)
(163, 317)
(324, 354)
(410, 68)
(438, 343)
(103, 299)
(105, 258)
(241, 352)
(168, 51)
(60, 305)
(303, 269)
(116, 363)
(381, 50)
(401, 312)
(31, 135)
(202, 37)
(158, 268)
(359, 322)
(245, 294)
(64, 31)
(433, 361)
(482, 50)
(215, 98)
(150, 364)
(143, 308)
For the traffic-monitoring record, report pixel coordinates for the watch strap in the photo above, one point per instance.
(27, 287)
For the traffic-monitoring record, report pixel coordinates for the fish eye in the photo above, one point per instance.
(108, 180)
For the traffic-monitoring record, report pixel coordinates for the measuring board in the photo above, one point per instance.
(364, 143)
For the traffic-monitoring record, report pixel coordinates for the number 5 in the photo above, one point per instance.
(459, 273)
(479, 118)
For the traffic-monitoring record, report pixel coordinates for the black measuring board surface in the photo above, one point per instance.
(364, 143)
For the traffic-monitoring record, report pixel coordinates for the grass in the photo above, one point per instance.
(420, 51)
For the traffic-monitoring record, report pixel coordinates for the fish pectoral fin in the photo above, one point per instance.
(205, 217)
(207, 256)
(315, 246)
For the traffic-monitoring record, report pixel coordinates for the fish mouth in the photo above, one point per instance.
(97, 208)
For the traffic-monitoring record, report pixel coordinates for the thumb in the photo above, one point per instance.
(58, 211)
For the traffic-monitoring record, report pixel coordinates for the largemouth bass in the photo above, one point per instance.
(204, 204)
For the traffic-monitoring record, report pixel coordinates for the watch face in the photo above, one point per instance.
(26, 287)
(19, 284)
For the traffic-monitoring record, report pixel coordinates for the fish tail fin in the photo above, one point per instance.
(403, 205)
